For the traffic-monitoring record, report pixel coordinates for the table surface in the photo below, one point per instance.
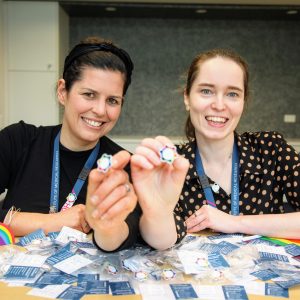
(10, 293)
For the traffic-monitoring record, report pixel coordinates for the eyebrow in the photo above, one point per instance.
(97, 93)
(231, 87)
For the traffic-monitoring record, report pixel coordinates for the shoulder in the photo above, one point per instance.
(18, 132)
(265, 143)
(22, 133)
(186, 148)
(261, 139)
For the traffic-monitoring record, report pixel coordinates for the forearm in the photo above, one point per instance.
(24, 223)
(159, 232)
(273, 225)
(111, 238)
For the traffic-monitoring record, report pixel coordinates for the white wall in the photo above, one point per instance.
(35, 38)
(1, 66)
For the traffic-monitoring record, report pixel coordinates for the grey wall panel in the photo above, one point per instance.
(162, 50)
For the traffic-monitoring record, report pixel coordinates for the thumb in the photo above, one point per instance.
(120, 160)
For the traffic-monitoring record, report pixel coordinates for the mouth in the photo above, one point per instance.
(216, 120)
(92, 123)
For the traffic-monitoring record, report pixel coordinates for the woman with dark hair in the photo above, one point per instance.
(45, 169)
(222, 180)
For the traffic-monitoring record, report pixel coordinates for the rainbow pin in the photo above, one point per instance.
(6, 235)
(104, 163)
(168, 154)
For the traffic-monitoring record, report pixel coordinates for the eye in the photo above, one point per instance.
(114, 101)
(89, 95)
(206, 91)
(233, 94)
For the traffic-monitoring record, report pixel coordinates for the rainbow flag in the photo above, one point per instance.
(281, 242)
(6, 235)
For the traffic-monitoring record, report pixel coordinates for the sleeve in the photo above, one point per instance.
(289, 164)
(132, 222)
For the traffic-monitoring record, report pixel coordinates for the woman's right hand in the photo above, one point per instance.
(73, 217)
(158, 184)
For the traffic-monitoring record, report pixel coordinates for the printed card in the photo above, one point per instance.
(119, 288)
(72, 264)
(264, 275)
(36, 235)
(273, 256)
(226, 247)
(292, 249)
(73, 292)
(234, 292)
(275, 290)
(216, 260)
(58, 257)
(97, 287)
(183, 291)
(56, 278)
(21, 273)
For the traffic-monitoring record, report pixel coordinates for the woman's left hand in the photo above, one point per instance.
(212, 218)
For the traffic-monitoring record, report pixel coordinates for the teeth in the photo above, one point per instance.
(92, 123)
(216, 119)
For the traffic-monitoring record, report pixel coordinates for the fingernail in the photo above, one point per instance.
(94, 199)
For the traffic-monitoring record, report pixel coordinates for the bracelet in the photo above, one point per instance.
(10, 214)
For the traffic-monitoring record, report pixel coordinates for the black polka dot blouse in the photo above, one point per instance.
(269, 169)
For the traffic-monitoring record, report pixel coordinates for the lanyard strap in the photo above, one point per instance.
(71, 198)
(234, 181)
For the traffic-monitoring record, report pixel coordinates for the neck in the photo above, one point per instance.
(74, 144)
(217, 151)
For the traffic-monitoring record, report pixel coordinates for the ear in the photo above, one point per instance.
(186, 101)
(61, 91)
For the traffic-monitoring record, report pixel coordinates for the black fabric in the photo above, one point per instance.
(26, 167)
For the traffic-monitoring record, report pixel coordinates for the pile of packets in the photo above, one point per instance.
(66, 265)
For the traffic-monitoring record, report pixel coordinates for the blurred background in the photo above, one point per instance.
(162, 37)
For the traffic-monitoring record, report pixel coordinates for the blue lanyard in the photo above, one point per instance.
(54, 200)
(234, 181)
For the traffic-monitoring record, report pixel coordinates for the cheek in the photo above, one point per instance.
(237, 110)
(114, 113)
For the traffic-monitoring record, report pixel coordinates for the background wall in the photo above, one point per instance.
(1, 67)
(163, 48)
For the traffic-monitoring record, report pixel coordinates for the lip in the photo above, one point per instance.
(216, 121)
(93, 123)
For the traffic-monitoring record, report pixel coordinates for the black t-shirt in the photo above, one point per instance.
(26, 153)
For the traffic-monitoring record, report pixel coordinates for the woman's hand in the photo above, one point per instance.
(110, 199)
(212, 218)
(73, 217)
(157, 184)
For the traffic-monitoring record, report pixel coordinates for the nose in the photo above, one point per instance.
(99, 107)
(218, 103)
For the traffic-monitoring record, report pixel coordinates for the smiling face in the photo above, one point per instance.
(216, 99)
(92, 107)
